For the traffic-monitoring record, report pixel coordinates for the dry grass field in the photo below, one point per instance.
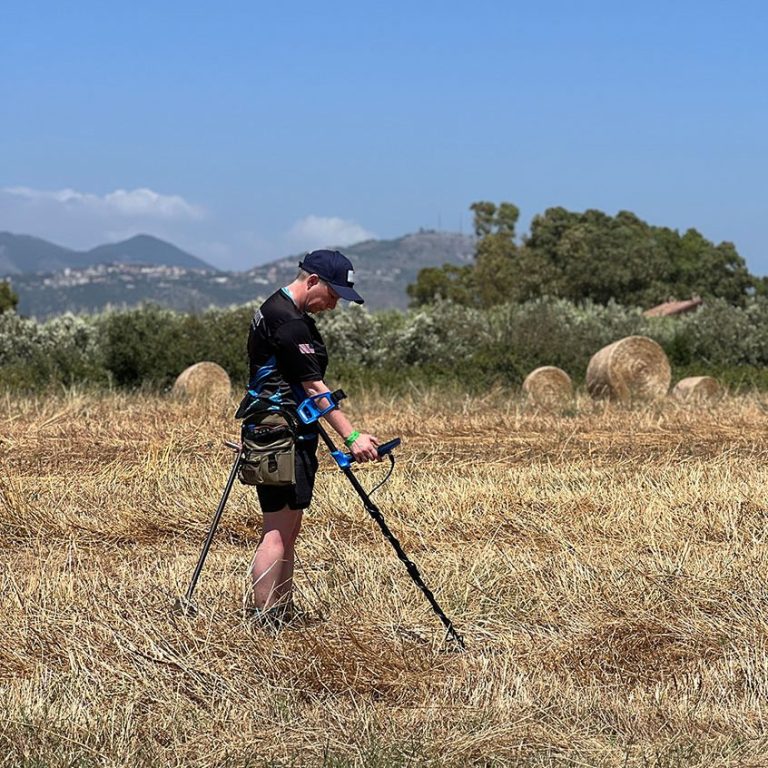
(607, 567)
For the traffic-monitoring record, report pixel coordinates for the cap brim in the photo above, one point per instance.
(347, 293)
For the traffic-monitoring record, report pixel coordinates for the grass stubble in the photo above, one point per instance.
(607, 567)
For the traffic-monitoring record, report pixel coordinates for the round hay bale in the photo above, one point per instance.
(548, 387)
(697, 388)
(203, 380)
(634, 368)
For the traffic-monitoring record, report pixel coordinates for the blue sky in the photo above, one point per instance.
(245, 131)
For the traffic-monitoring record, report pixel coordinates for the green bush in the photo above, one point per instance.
(152, 345)
(143, 346)
(723, 335)
(551, 332)
(64, 351)
(440, 344)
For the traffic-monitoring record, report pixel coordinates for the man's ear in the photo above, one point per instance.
(312, 281)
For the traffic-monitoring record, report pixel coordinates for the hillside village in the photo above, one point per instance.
(384, 269)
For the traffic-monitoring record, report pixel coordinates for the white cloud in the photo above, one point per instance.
(137, 203)
(323, 231)
(82, 220)
(145, 202)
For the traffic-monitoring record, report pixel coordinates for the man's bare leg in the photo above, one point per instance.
(285, 587)
(272, 566)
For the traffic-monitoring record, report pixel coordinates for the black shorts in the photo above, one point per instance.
(274, 497)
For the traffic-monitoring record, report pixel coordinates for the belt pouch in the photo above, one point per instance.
(269, 447)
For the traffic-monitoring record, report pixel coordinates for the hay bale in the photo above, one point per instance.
(634, 368)
(203, 380)
(548, 387)
(697, 389)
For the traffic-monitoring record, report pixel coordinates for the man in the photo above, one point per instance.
(288, 360)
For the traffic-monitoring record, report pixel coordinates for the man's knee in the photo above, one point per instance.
(285, 523)
(274, 542)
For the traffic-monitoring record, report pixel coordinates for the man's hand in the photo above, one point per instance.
(364, 448)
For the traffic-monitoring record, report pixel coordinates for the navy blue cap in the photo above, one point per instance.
(335, 269)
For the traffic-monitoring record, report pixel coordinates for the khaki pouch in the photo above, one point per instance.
(268, 452)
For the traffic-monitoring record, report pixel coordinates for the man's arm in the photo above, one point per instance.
(364, 447)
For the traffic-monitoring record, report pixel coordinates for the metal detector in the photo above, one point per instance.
(309, 413)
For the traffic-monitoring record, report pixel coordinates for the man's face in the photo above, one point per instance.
(320, 295)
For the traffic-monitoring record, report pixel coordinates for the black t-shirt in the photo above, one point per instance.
(284, 349)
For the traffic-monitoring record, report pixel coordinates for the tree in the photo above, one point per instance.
(496, 251)
(485, 213)
(761, 286)
(595, 256)
(588, 256)
(492, 220)
(602, 258)
(711, 270)
(487, 281)
(9, 299)
(447, 282)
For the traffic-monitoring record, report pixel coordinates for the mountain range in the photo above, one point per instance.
(51, 280)
(22, 254)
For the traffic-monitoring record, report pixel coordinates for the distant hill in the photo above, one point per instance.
(383, 270)
(145, 249)
(22, 254)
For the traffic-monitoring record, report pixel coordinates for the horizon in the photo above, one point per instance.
(422, 231)
(239, 138)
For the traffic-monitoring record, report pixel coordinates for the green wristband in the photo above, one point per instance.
(351, 439)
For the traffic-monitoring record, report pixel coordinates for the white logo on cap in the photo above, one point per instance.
(350, 276)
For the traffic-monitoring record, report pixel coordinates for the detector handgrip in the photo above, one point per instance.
(386, 448)
(345, 459)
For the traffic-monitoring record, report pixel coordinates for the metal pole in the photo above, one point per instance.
(184, 604)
